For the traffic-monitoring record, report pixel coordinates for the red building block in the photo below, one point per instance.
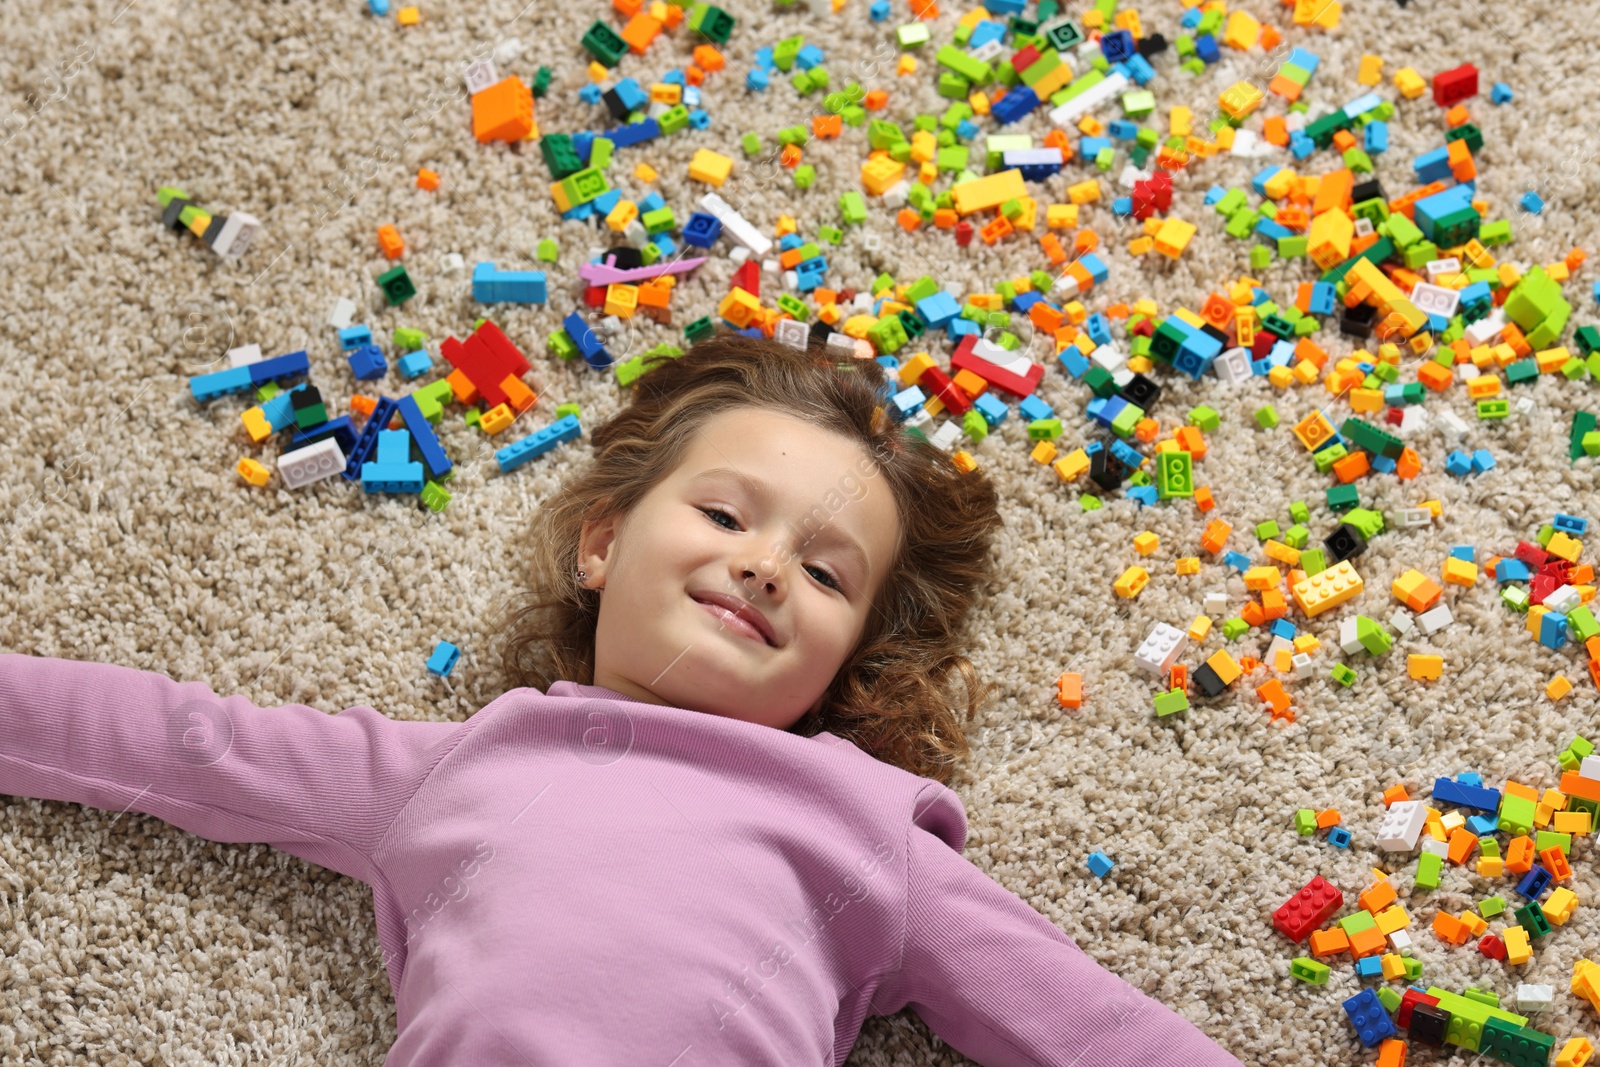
(1450, 86)
(1307, 909)
(1410, 1000)
(1492, 947)
(486, 358)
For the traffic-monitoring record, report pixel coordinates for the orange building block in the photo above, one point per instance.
(390, 241)
(503, 112)
(1329, 942)
(1069, 690)
(1377, 896)
(1368, 942)
(1519, 855)
(427, 179)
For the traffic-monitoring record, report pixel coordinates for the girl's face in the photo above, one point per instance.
(784, 523)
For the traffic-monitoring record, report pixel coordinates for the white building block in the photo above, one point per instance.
(343, 313)
(1589, 768)
(312, 463)
(1534, 998)
(1161, 649)
(1435, 619)
(1106, 89)
(735, 224)
(1563, 599)
(1402, 824)
(1215, 603)
(792, 332)
(1434, 845)
(1232, 366)
(1401, 943)
(479, 75)
(245, 355)
(1401, 621)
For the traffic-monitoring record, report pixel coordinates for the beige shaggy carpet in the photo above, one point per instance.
(129, 538)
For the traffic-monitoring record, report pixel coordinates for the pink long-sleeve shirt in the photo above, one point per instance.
(576, 877)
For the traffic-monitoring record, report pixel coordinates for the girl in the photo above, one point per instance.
(710, 825)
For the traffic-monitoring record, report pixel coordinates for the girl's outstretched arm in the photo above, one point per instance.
(322, 787)
(1002, 985)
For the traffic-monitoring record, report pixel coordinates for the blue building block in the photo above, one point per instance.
(1375, 138)
(1532, 203)
(1472, 778)
(443, 659)
(640, 132)
(1552, 629)
(1259, 182)
(1127, 454)
(938, 308)
(279, 367)
(1570, 524)
(756, 80)
(1369, 967)
(1100, 864)
(702, 230)
(491, 285)
(378, 420)
(1139, 69)
(1098, 327)
(1483, 824)
(1454, 793)
(1512, 570)
(413, 364)
(1466, 552)
(1339, 837)
(994, 411)
(1432, 167)
(353, 337)
(367, 363)
(279, 411)
(537, 444)
(1282, 628)
(340, 429)
(1016, 104)
(879, 11)
(421, 430)
(906, 403)
(1482, 460)
(1501, 93)
(1034, 407)
(1322, 298)
(207, 387)
(1073, 361)
(589, 346)
(1534, 883)
(1205, 46)
(1369, 1017)
(393, 471)
(1237, 560)
(1146, 495)
(1458, 463)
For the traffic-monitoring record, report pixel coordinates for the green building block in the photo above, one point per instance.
(1550, 839)
(1171, 702)
(1428, 867)
(408, 338)
(1343, 497)
(1357, 922)
(1174, 474)
(605, 44)
(1531, 918)
(1266, 417)
(1313, 561)
(1204, 417)
(1491, 906)
(698, 329)
(1373, 637)
(396, 285)
(712, 23)
(1389, 999)
(1309, 970)
(1516, 814)
(1516, 1045)
(852, 207)
(548, 251)
(1233, 628)
(1296, 536)
(975, 426)
(1305, 822)
(1090, 502)
(1343, 675)
(1266, 531)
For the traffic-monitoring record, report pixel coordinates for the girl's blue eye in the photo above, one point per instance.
(826, 579)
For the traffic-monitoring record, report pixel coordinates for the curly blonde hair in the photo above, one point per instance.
(890, 696)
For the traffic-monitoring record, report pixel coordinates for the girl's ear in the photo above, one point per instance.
(596, 547)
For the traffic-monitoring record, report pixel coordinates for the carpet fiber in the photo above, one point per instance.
(129, 537)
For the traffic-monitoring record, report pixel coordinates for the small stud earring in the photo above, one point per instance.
(583, 576)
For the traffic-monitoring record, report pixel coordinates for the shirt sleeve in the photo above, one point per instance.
(323, 787)
(1002, 985)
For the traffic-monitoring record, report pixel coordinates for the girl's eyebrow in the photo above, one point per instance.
(761, 491)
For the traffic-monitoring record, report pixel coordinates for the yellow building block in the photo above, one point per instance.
(1410, 83)
(1071, 465)
(1258, 578)
(1200, 627)
(1146, 543)
(980, 194)
(408, 16)
(1564, 547)
(1571, 822)
(1061, 216)
(1394, 966)
(1328, 243)
(1313, 430)
(1240, 99)
(1558, 909)
(1517, 949)
(621, 300)
(1558, 688)
(496, 419)
(1424, 667)
(1327, 589)
(878, 173)
(1459, 571)
(711, 167)
(1392, 918)
(1281, 184)
(258, 474)
(1085, 192)
(1173, 237)
(1577, 1052)
(1132, 581)
(1179, 121)
(1242, 31)
(1371, 72)
(1225, 666)
(1043, 452)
